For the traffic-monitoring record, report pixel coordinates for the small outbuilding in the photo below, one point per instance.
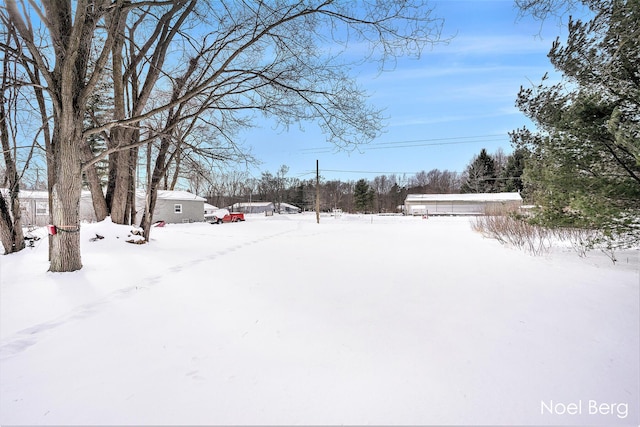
(34, 207)
(253, 207)
(460, 204)
(287, 208)
(173, 206)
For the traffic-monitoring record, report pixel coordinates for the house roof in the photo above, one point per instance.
(467, 197)
(172, 195)
(288, 205)
(36, 194)
(179, 195)
(252, 204)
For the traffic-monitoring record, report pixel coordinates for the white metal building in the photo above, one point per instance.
(253, 207)
(460, 204)
(34, 207)
(286, 208)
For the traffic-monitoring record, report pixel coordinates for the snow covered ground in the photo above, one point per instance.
(357, 320)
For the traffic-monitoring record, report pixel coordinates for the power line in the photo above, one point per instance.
(367, 172)
(401, 173)
(440, 141)
(431, 144)
(417, 143)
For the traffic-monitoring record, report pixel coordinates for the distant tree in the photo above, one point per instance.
(295, 193)
(334, 192)
(363, 196)
(434, 181)
(96, 175)
(480, 175)
(382, 186)
(419, 182)
(442, 182)
(500, 159)
(281, 182)
(398, 195)
(511, 176)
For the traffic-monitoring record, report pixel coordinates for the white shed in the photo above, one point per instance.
(460, 204)
(34, 207)
(289, 208)
(253, 207)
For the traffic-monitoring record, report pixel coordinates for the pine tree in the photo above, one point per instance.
(511, 177)
(585, 162)
(480, 175)
(363, 196)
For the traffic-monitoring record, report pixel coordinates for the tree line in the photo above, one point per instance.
(490, 173)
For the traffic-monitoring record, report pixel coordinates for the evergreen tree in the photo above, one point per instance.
(398, 195)
(363, 196)
(98, 109)
(585, 162)
(511, 177)
(480, 175)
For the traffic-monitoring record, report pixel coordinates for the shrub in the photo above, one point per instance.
(512, 228)
(508, 227)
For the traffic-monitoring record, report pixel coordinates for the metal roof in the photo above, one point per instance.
(467, 197)
(179, 195)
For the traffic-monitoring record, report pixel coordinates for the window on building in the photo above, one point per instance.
(42, 208)
(177, 208)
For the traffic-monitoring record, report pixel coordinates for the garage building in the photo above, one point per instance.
(460, 204)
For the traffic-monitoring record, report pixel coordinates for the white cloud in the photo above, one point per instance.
(495, 45)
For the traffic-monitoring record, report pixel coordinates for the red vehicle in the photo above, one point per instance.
(223, 215)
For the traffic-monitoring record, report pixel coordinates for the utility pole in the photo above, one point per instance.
(317, 192)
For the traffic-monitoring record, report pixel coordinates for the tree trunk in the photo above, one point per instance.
(147, 217)
(65, 196)
(119, 161)
(97, 196)
(10, 223)
(176, 171)
(131, 191)
(159, 170)
(120, 184)
(8, 234)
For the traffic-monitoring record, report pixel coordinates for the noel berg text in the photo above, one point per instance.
(591, 407)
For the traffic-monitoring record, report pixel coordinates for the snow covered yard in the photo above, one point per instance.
(357, 320)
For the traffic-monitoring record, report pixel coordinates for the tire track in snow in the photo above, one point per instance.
(28, 337)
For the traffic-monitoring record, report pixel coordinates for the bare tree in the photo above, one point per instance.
(278, 58)
(63, 66)
(543, 9)
(10, 215)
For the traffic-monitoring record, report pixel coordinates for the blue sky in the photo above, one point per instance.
(441, 109)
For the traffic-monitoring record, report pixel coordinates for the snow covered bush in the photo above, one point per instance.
(508, 227)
